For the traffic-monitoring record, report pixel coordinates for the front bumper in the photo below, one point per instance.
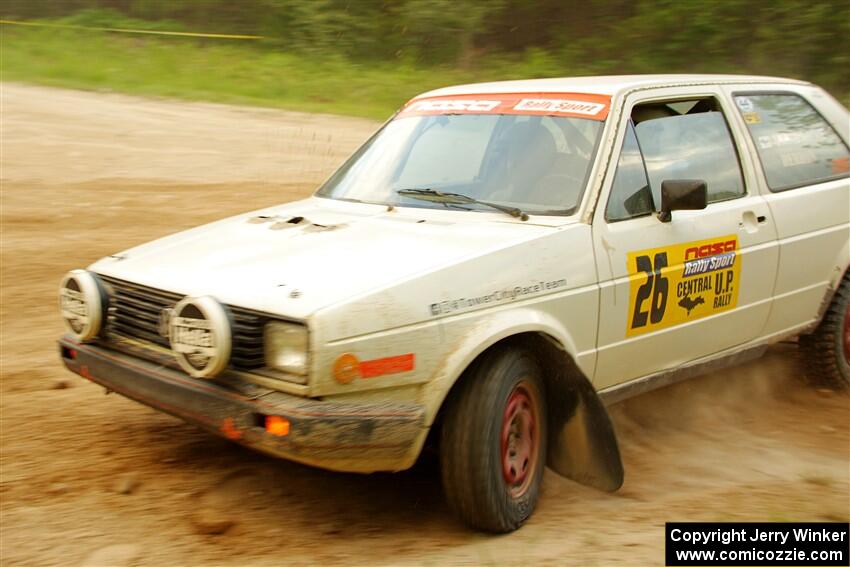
(352, 437)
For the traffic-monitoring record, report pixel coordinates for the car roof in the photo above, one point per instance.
(610, 85)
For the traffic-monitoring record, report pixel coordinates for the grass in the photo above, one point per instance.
(243, 72)
(217, 71)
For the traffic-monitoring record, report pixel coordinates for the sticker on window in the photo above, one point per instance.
(745, 104)
(537, 104)
(840, 165)
(752, 118)
(680, 283)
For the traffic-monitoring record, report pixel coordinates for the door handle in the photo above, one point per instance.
(750, 222)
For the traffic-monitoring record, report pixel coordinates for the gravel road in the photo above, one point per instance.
(100, 480)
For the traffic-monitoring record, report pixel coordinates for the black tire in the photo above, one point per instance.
(474, 462)
(826, 352)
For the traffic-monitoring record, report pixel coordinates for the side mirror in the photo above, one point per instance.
(682, 195)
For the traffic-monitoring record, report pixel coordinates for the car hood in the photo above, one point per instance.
(294, 259)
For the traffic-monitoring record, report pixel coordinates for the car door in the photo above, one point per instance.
(800, 135)
(673, 292)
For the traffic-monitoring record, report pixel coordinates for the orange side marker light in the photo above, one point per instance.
(346, 368)
(277, 426)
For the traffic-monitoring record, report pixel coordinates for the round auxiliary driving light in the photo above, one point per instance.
(199, 331)
(83, 302)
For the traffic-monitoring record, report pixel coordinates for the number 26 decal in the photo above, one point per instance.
(657, 286)
(681, 283)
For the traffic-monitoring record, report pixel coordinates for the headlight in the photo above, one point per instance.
(286, 347)
(83, 303)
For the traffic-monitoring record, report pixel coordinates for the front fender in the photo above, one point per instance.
(471, 335)
(582, 442)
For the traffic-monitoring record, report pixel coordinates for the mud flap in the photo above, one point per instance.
(582, 442)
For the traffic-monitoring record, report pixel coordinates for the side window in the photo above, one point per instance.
(630, 194)
(795, 144)
(689, 140)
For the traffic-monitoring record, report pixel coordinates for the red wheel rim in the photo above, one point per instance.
(520, 440)
(847, 335)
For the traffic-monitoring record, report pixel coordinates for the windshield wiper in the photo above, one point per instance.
(458, 199)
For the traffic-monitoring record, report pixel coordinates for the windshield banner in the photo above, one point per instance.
(576, 105)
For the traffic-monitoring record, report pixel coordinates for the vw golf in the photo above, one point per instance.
(491, 269)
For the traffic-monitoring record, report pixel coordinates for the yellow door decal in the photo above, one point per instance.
(680, 283)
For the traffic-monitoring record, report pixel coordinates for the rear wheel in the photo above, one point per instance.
(826, 352)
(493, 443)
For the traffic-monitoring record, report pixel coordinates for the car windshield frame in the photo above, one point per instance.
(581, 143)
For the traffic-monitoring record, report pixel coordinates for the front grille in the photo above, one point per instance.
(134, 312)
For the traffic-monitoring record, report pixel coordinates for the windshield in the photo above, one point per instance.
(538, 164)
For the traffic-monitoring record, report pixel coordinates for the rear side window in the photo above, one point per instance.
(795, 144)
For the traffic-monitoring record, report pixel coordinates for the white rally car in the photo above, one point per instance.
(493, 266)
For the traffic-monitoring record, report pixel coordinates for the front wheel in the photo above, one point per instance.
(493, 442)
(826, 351)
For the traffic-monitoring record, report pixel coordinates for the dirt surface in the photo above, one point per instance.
(100, 480)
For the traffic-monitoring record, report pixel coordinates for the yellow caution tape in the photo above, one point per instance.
(121, 30)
